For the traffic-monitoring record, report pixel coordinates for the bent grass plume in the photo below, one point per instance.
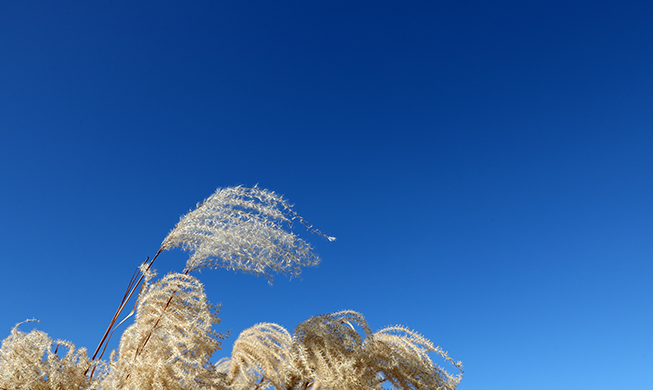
(244, 229)
(180, 346)
(170, 343)
(238, 228)
(327, 352)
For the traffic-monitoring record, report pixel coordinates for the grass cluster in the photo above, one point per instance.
(171, 342)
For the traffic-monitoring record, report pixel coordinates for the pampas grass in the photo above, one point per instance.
(171, 342)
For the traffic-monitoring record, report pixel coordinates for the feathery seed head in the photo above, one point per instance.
(34, 361)
(246, 229)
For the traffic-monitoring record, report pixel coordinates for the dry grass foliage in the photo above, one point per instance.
(171, 342)
(328, 352)
(34, 361)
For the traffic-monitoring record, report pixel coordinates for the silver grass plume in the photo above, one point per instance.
(246, 229)
(328, 352)
(171, 342)
(260, 358)
(34, 361)
(401, 356)
(332, 354)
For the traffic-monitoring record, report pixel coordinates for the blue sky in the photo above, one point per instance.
(486, 167)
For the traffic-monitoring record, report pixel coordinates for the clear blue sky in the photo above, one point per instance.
(487, 168)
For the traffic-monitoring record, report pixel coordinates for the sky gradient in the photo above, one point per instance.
(485, 166)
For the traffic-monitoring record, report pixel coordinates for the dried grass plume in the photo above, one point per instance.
(246, 229)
